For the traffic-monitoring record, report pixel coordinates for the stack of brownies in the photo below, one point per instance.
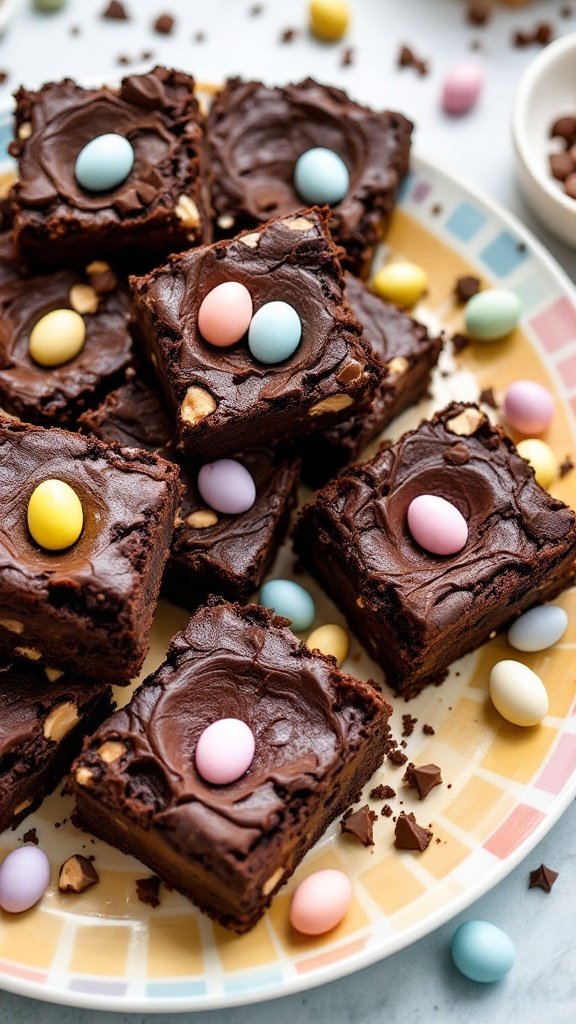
(129, 421)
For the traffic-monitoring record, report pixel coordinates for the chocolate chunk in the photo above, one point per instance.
(488, 397)
(466, 287)
(561, 165)
(360, 824)
(460, 342)
(115, 12)
(408, 724)
(164, 24)
(542, 878)
(565, 467)
(428, 730)
(30, 837)
(144, 91)
(128, 201)
(423, 778)
(478, 12)
(77, 874)
(409, 835)
(148, 889)
(457, 455)
(382, 793)
(407, 59)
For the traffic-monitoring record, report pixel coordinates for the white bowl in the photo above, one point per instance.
(547, 90)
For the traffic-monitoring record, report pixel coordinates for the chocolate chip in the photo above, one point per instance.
(422, 778)
(457, 455)
(77, 874)
(478, 12)
(164, 24)
(407, 59)
(466, 287)
(409, 835)
(542, 878)
(408, 724)
(488, 397)
(147, 890)
(382, 793)
(360, 824)
(115, 12)
(30, 837)
(565, 467)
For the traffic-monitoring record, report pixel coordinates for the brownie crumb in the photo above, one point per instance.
(147, 55)
(148, 889)
(475, 45)
(123, 60)
(386, 811)
(407, 59)
(542, 878)
(199, 37)
(422, 778)
(164, 24)
(30, 837)
(460, 342)
(77, 874)
(397, 757)
(347, 58)
(408, 724)
(466, 287)
(255, 10)
(409, 835)
(565, 467)
(540, 35)
(360, 824)
(288, 35)
(382, 793)
(428, 730)
(4, 75)
(488, 397)
(75, 30)
(436, 209)
(478, 12)
(566, 11)
(115, 12)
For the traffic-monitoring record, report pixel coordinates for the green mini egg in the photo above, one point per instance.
(492, 314)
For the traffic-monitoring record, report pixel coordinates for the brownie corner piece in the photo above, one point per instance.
(319, 736)
(417, 612)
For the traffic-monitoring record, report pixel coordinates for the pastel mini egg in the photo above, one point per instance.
(225, 751)
(482, 952)
(462, 86)
(528, 407)
(24, 878)
(55, 516)
(104, 163)
(492, 314)
(518, 693)
(401, 282)
(437, 525)
(57, 337)
(225, 314)
(330, 639)
(329, 19)
(274, 333)
(50, 5)
(321, 176)
(320, 902)
(291, 601)
(538, 628)
(227, 486)
(541, 458)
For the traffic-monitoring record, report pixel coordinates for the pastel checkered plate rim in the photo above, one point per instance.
(506, 791)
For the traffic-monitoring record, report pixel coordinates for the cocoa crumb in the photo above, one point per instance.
(147, 890)
(408, 59)
(164, 24)
(30, 837)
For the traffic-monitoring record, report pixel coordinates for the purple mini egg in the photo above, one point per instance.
(227, 486)
(24, 878)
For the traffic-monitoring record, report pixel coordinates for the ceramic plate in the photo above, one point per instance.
(504, 787)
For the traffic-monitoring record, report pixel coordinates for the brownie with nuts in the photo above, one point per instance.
(87, 608)
(45, 715)
(319, 736)
(256, 134)
(410, 354)
(417, 612)
(58, 394)
(160, 207)
(222, 399)
(211, 552)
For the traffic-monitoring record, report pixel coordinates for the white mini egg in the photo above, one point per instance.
(518, 693)
(538, 628)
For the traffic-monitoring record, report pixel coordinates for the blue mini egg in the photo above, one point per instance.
(482, 951)
(104, 163)
(492, 314)
(539, 628)
(274, 333)
(291, 601)
(321, 176)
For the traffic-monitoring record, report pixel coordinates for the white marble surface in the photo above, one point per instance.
(418, 985)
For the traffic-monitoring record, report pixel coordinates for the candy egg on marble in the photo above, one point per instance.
(274, 333)
(320, 902)
(528, 407)
(482, 952)
(50, 5)
(518, 693)
(330, 639)
(462, 86)
(401, 282)
(492, 314)
(104, 163)
(290, 600)
(225, 751)
(24, 878)
(57, 337)
(225, 314)
(55, 516)
(227, 486)
(541, 458)
(321, 176)
(437, 525)
(329, 19)
(538, 628)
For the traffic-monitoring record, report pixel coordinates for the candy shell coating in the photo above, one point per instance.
(320, 902)
(401, 282)
(274, 333)
(330, 639)
(492, 314)
(329, 19)
(482, 952)
(225, 314)
(225, 751)
(528, 407)
(290, 600)
(57, 337)
(24, 878)
(104, 163)
(462, 86)
(538, 628)
(541, 458)
(55, 516)
(227, 486)
(321, 176)
(436, 524)
(517, 693)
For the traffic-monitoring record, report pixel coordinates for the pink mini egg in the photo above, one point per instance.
(528, 407)
(462, 86)
(225, 314)
(225, 751)
(320, 902)
(437, 525)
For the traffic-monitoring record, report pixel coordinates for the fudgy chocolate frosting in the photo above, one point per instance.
(58, 393)
(257, 133)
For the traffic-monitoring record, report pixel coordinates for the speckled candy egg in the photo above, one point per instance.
(290, 600)
(225, 314)
(528, 407)
(462, 86)
(437, 525)
(321, 176)
(518, 693)
(482, 952)
(320, 902)
(104, 163)
(225, 751)
(274, 333)
(227, 486)
(538, 628)
(492, 314)
(24, 878)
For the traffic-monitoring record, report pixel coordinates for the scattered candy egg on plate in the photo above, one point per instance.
(401, 282)
(528, 407)
(462, 86)
(57, 337)
(330, 639)
(225, 314)
(437, 525)
(517, 693)
(104, 163)
(320, 902)
(225, 751)
(290, 600)
(541, 458)
(321, 176)
(492, 314)
(24, 878)
(538, 628)
(274, 333)
(227, 486)
(482, 952)
(55, 516)
(50, 5)
(329, 19)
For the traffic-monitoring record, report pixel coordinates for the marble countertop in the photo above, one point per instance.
(418, 985)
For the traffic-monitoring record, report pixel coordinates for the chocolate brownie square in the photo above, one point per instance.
(223, 399)
(417, 612)
(211, 552)
(44, 716)
(410, 354)
(58, 394)
(87, 608)
(159, 208)
(257, 133)
(319, 736)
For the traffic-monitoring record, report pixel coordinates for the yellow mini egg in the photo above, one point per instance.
(57, 337)
(541, 458)
(402, 283)
(330, 639)
(55, 516)
(329, 19)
